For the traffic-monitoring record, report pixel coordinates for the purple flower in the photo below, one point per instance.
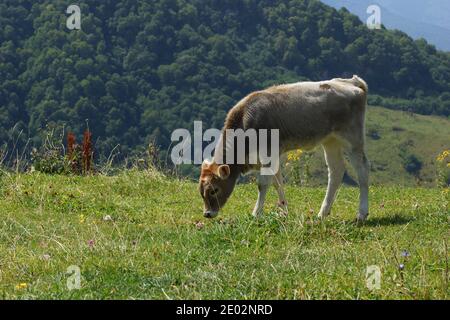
(405, 254)
(91, 243)
(199, 225)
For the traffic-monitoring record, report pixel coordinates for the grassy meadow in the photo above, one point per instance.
(140, 235)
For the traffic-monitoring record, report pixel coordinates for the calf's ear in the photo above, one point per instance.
(223, 171)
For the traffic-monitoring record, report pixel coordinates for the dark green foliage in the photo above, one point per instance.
(412, 164)
(49, 161)
(373, 133)
(50, 157)
(140, 69)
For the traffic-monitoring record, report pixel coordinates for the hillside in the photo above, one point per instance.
(419, 19)
(136, 71)
(140, 235)
(391, 137)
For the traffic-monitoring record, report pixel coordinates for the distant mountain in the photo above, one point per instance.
(429, 19)
(434, 12)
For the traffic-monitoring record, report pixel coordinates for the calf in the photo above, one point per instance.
(330, 113)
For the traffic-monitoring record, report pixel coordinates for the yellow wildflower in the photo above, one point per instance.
(294, 155)
(82, 218)
(21, 286)
(443, 155)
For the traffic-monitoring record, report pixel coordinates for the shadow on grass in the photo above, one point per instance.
(393, 220)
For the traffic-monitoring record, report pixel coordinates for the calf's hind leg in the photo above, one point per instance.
(336, 168)
(361, 164)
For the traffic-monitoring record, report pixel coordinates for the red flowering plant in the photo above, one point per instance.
(53, 158)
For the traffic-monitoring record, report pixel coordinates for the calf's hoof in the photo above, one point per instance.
(257, 213)
(361, 218)
(322, 215)
(283, 208)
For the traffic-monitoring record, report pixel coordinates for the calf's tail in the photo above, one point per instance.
(360, 83)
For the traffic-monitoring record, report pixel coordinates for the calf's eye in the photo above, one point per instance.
(213, 192)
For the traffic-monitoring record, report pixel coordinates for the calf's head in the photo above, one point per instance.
(216, 185)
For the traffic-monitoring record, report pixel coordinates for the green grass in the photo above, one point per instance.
(153, 249)
(400, 133)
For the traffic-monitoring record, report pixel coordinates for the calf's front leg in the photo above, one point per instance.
(278, 183)
(263, 185)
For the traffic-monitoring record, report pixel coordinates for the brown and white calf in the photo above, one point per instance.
(330, 113)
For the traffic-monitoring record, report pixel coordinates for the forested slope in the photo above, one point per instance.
(138, 69)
